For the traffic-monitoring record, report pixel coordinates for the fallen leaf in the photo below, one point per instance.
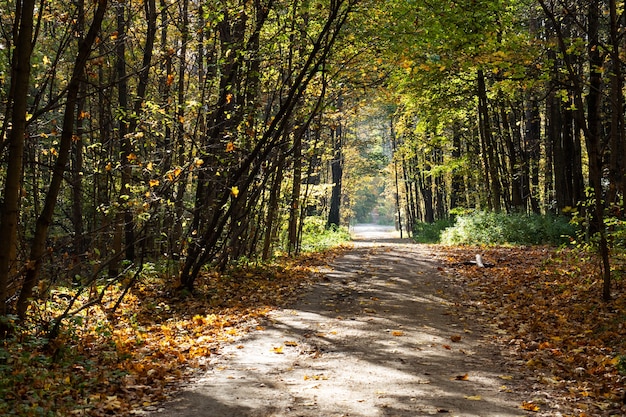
(447, 347)
(397, 333)
(473, 397)
(455, 338)
(278, 350)
(291, 343)
(461, 377)
(529, 406)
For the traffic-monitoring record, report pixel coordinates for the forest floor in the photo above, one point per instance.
(394, 329)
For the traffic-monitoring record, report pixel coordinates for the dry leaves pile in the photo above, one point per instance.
(123, 364)
(546, 306)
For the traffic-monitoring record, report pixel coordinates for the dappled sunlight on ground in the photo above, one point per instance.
(376, 337)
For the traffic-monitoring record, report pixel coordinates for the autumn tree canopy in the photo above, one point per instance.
(188, 134)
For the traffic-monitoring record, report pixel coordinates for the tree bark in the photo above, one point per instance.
(336, 168)
(491, 167)
(38, 246)
(20, 83)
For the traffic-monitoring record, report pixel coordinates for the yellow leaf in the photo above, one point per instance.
(154, 183)
(230, 147)
(234, 191)
(291, 343)
(529, 406)
(473, 397)
(278, 350)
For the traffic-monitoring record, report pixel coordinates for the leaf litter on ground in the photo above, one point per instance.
(545, 306)
(125, 363)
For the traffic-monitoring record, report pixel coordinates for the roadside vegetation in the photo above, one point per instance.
(491, 228)
(127, 352)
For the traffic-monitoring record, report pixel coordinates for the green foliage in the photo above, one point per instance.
(430, 232)
(491, 228)
(614, 225)
(317, 237)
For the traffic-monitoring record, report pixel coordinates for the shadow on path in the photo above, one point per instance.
(376, 337)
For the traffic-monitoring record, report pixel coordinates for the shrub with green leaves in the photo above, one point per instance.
(431, 232)
(317, 237)
(490, 228)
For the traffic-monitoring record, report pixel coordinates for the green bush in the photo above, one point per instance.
(316, 237)
(430, 232)
(489, 228)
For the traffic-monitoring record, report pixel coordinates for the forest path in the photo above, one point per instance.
(380, 335)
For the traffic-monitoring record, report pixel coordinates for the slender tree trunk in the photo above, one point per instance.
(517, 201)
(78, 160)
(457, 186)
(617, 164)
(593, 139)
(38, 246)
(491, 169)
(20, 83)
(336, 168)
(272, 206)
(532, 139)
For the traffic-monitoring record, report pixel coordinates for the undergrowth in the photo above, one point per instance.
(489, 228)
(317, 237)
(107, 362)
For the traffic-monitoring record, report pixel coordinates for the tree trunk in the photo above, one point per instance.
(20, 83)
(491, 167)
(336, 168)
(617, 169)
(532, 141)
(272, 207)
(593, 139)
(38, 246)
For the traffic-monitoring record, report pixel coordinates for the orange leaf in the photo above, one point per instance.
(397, 333)
(462, 377)
(529, 406)
(447, 347)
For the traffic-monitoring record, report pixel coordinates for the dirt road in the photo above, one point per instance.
(378, 336)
